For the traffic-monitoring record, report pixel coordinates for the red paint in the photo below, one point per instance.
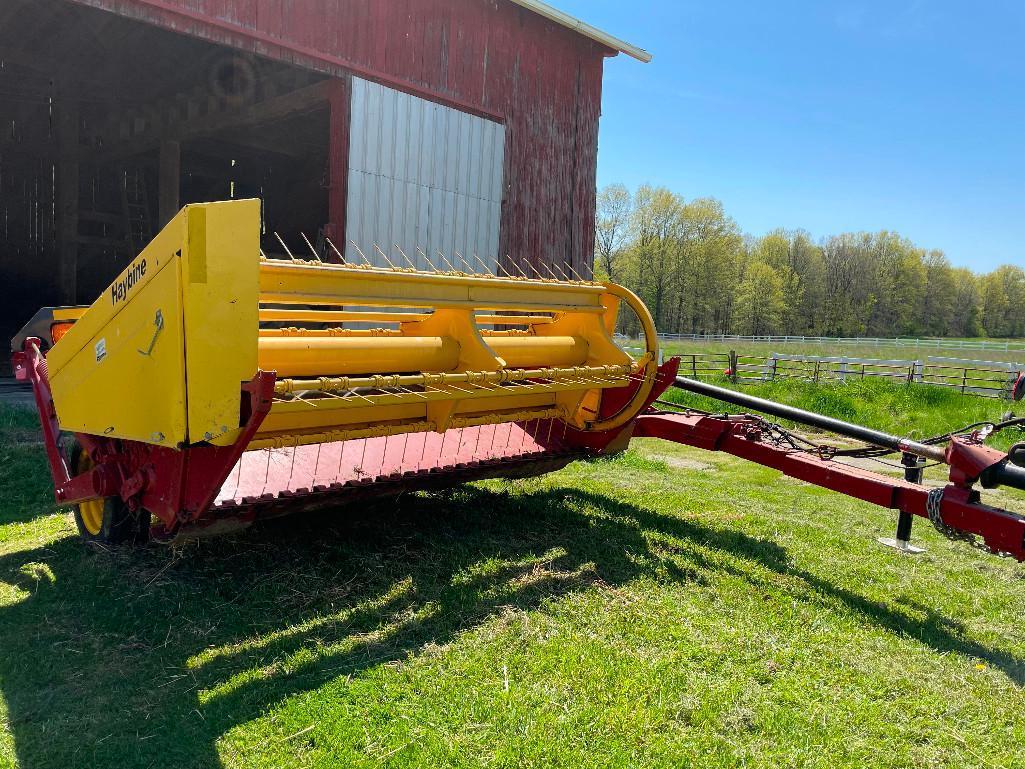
(200, 486)
(338, 194)
(489, 57)
(1001, 530)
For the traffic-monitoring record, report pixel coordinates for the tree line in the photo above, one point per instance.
(698, 273)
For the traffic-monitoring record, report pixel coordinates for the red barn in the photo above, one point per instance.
(424, 129)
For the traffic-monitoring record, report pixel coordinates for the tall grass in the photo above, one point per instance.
(918, 411)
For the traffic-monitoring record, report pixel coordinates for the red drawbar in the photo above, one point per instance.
(1003, 532)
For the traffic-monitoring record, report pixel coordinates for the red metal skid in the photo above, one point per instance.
(1002, 531)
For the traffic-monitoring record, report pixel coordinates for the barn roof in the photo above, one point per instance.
(585, 29)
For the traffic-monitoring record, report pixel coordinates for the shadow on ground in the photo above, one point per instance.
(95, 664)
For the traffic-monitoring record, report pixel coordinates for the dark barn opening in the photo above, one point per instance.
(109, 125)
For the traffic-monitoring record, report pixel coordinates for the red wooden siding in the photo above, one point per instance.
(487, 56)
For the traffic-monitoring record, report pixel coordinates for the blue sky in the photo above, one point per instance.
(907, 115)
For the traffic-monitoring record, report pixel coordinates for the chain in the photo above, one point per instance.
(934, 507)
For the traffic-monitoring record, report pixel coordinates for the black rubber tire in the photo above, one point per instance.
(120, 526)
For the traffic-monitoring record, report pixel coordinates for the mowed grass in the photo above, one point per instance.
(668, 608)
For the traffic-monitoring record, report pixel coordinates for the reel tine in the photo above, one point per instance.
(338, 253)
(427, 259)
(487, 270)
(312, 249)
(361, 254)
(550, 270)
(385, 257)
(447, 262)
(562, 273)
(411, 265)
(284, 246)
(576, 273)
(519, 268)
(469, 269)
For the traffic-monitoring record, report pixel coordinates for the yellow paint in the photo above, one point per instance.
(91, 511)
(159, 358)
(439, 364)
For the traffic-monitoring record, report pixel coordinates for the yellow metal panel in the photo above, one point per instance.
(221, 304)
(124, 291)
(68, 313)
(125, 378)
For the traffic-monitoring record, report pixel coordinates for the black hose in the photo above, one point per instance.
(1004, 474)
(811, 419)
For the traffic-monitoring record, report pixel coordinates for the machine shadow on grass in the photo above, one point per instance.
(145, 658)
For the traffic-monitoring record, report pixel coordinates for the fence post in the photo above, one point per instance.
(818, 363)
(734, 377)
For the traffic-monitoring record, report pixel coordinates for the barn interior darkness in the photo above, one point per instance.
(108, 126)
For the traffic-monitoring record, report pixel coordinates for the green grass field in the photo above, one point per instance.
(668, 608)
(880, 352)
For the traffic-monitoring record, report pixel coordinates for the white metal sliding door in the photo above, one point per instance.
(422, 177)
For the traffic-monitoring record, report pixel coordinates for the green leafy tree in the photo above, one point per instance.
(760, 301)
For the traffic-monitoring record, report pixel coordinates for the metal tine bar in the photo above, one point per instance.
(312, 249)
(520, 269)
(385, 257)
(399, 249)
(562, 272)
(338, 253)
(407, 391)
(469, 268)
(537, 272)
(487, 270)
(362, 255)
(576, 273)
(447, 262)
(550, 270)
(489, 386)
(287, 250)
(427, 258)
(354, 394)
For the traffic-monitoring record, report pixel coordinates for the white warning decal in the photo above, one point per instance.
(101, 350)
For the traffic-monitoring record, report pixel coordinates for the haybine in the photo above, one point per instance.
(210, 386)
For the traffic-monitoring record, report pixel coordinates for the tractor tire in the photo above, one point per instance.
(106, 521)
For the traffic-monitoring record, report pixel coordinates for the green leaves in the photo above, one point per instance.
(696, 272)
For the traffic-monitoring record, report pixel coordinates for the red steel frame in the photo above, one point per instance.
(201, 486)
(960, 506)
(181, 487)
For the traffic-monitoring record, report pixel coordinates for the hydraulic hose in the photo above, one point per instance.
(811, 419)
